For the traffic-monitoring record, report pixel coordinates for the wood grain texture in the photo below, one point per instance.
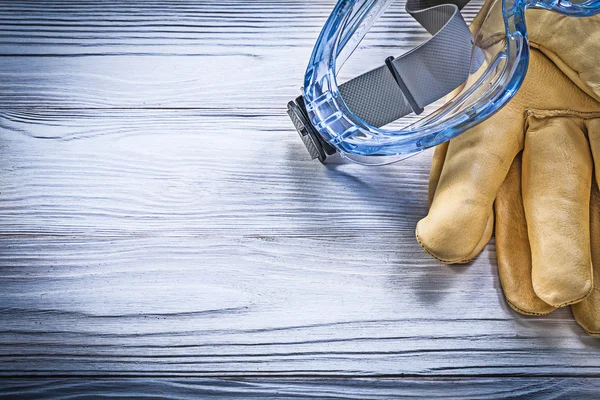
(190, 172)
(363, 389)
(185, 27)
(159, 218)
(181, 242)
(190, 54)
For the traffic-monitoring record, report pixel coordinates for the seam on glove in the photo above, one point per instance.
(561, 113)
(521, 311)
(568, 303)
(465, 260)
(437, 258)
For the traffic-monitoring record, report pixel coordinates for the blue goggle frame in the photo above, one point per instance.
(328, 125)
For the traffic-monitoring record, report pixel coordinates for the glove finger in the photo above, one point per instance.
(437, 164)
(587, 313)
(512, 247)
(460, 219)
(557, 176)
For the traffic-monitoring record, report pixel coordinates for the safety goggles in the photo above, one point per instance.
(482, 69)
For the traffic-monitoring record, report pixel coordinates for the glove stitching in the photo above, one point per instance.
(562, 113)
(522, 311)
(464, 261)
(568, 303)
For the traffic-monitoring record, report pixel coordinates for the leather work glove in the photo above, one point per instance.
(530, 168)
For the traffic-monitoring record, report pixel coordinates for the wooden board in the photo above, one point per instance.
(303, 388)
(160, 221)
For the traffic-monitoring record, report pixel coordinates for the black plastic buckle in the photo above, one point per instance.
(316, 146)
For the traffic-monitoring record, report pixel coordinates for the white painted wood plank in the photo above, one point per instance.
(144, 242)
(190, 172)
(187, 27)
(159, 217)
(363, 389)
(135, 56)
(221, 306)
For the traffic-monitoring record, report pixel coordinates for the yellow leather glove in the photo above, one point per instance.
(531, 166)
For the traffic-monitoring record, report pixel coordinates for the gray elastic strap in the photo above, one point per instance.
(421, 76)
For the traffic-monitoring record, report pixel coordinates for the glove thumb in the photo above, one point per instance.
(460, 220)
